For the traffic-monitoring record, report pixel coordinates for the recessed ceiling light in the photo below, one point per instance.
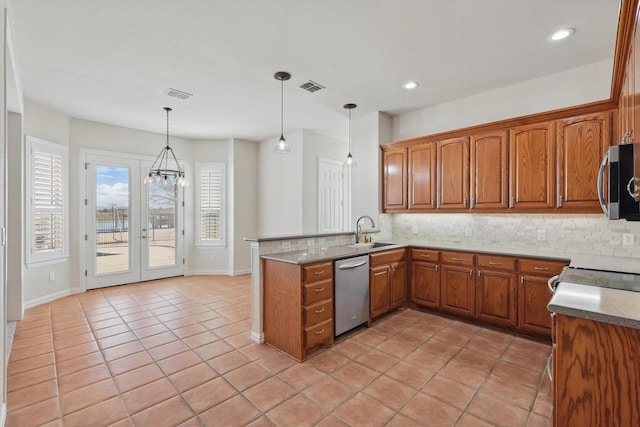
(411, 85)
(561, 34)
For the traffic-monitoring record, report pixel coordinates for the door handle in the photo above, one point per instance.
(552, 284)
(603, 204)
(354, 265)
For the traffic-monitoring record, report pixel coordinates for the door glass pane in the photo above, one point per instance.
(112, 219)
(161, 235)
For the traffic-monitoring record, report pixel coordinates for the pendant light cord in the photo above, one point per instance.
(281, 108)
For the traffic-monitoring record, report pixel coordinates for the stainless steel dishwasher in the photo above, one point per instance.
(351, 277)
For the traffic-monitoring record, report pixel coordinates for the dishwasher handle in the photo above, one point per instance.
(352, 266)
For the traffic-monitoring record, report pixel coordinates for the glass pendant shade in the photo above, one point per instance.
(166, 165)
(281, 146)
(350, 162)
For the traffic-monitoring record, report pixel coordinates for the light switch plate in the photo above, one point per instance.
(414, 229)
(627, 239)
(468, 232)
(542, 235)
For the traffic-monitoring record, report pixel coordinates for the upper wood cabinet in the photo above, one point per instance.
(394, 165)
(581, 144)
(422, 176)
(453, 173)
(489, 170)
(531, 156)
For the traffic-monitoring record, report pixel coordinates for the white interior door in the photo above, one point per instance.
(134, 231)
(330, 196)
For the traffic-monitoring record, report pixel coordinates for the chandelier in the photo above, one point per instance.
(166, 165)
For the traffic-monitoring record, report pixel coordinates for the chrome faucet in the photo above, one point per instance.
(359, 230)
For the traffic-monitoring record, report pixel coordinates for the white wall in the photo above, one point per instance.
(316, 145)
(281, 187)
(15, 218)
(566, 89)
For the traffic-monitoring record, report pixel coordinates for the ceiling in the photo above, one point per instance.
(112, 61)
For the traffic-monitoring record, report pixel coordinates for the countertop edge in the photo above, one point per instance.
(295, 237)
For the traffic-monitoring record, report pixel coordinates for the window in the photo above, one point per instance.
(47, 185)
(210, 204)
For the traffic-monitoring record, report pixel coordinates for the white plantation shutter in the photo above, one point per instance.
(48, 192)
(210, 211)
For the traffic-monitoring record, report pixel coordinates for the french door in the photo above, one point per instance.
(134, 231)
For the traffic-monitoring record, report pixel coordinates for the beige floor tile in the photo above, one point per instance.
(363, 410)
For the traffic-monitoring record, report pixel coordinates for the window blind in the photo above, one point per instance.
(48, 213)
(211, 180)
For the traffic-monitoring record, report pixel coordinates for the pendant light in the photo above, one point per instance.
(282, 147)
(161, 170)
(350, 162)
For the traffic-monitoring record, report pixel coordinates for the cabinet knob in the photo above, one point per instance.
(433, 204)
(319, 289)
(511, 202)
(478, 274)
(560, 201)
(473, 202)
(471, 273)
(437, 267)
(320, 311)
(319, 332)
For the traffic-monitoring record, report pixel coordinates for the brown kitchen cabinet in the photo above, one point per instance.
(425, 277)
(387, 281)
(595, 373)
(457, 289)
(489, 170)
(394, 189)
(581, 144)
(453, 173)
(496, 289)
(298, 306)
(534, 295)
(422, 176)
(532, 160)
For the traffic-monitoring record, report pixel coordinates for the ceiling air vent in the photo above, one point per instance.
(178, 94)
(311, 86)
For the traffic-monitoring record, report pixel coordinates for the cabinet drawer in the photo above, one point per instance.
(386, 257)
(316, 272)
(318, 291)
(425, 255)
(496, 262)
(318, 312)
(318, 333)
(457, 258)
(541, 266)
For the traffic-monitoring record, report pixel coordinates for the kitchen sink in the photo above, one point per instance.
(369, 245)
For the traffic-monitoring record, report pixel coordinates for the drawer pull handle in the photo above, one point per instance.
(541, 268)
(320, 311)
(425, 255)
(319, 332)
(318, 273)
(319, 289)
(456, 259)
(494, 263)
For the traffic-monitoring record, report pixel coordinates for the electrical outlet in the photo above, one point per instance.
(542, 235)
(414, 229)
(52, 276)
(311, 243)
(286, 245)
(468, 232)
(627, 239)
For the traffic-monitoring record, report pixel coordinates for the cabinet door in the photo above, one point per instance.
(496, 297)
(533, 298)
(425, 284)
(489, 171)
(398, 291)
(581, 144)
(453, 173)
(379, 293)
(394, 164)
(422, 176)
(531, 155)
(458, 290)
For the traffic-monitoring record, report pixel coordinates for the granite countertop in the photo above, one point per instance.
(297, 236)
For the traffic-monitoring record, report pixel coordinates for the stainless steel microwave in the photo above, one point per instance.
(623, 185)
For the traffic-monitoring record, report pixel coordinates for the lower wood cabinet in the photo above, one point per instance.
(595, 374)
(298, 306)
(534, 295)
(496, 289)
(458, 285)
(425, 277)
(387, 281)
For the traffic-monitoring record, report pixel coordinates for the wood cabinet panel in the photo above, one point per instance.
(318, 334)
(489, 170)
(533, 297)
(457, 258)
(496, 262)
(596, 371)
(425, 284)
(531, 158)
(544, 267)
(386, 257)
(318, 313)
(316, 272)
(496, 297)
(457, 290)
(428, 255)
(398, 290)
(318, 291)
(453, 173)
(394, 165)
(581, 144)
(422, 176)
(379, 290)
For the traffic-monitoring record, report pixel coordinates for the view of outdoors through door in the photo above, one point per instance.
(161, 230)
(112, 219)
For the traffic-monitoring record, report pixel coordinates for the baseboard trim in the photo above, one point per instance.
(47, 298)
(241, 272)
(208, 273)
(259, 338)
(3, 414)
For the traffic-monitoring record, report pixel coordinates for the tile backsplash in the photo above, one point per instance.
(584, 234)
